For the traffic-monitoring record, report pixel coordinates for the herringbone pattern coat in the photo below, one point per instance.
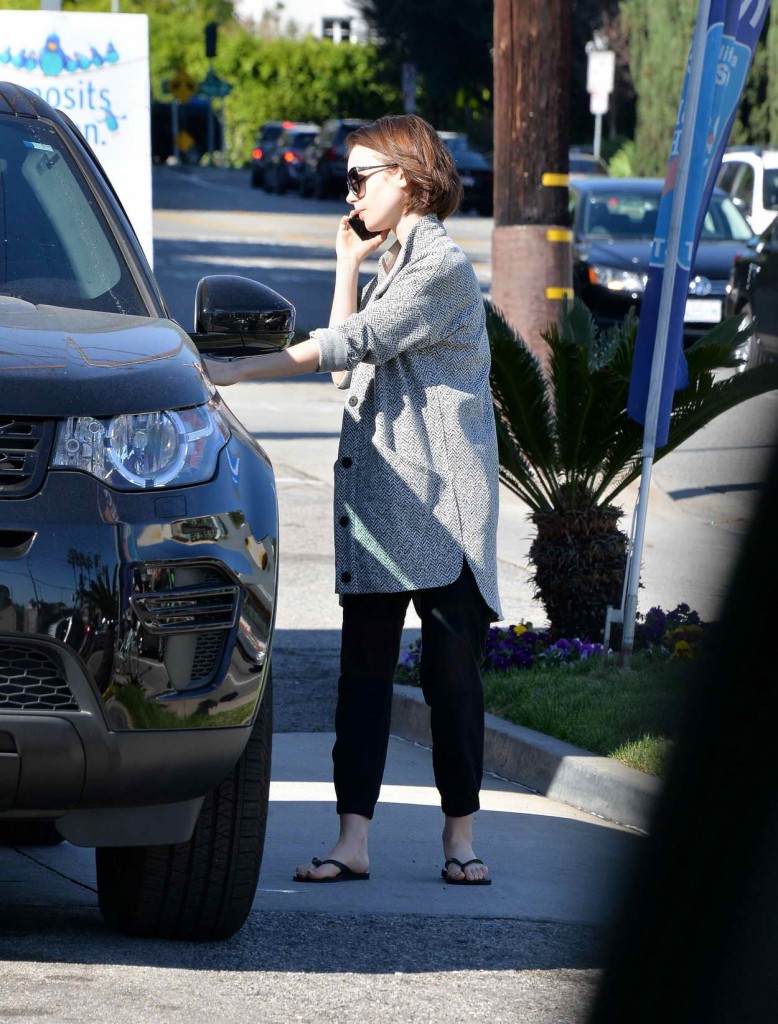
(416, 481)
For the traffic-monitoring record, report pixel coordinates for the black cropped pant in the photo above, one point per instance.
(454, 625)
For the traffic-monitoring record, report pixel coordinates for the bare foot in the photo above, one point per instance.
(458, 845)
(350, 849)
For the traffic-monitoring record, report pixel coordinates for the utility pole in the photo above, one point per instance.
(531, 245)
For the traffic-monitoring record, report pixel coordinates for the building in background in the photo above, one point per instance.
(338, 20)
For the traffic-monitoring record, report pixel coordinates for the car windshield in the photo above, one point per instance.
(628, 214)
(57, 248)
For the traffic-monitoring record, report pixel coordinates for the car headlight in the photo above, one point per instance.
(617, 280)
(170, 448)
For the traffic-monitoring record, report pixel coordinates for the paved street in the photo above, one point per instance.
(403, 946)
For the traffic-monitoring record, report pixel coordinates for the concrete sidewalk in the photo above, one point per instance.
(598, 785)
(550, 863)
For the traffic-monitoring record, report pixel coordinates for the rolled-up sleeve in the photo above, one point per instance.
(416, 310)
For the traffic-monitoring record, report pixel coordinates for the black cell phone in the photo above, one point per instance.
(358, 226)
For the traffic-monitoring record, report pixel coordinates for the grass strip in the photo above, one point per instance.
(629, 714)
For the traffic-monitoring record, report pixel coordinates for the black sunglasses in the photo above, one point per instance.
(355, 182)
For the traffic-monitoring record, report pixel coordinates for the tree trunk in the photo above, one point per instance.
(531, 250)
(579, 559)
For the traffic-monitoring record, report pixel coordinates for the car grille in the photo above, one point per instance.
(25, 445)
(208, 654)
(31, 680)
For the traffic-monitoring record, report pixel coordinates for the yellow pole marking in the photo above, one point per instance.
(563, 180)
(559, 293)
(559, 235)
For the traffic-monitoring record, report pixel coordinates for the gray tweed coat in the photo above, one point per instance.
(416, 483)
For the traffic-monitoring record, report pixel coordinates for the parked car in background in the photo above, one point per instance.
(138, 567)
(613, 222)
(580, 161)
(475, 173)
(264, 145)
(753, 291)
(324, 161)
(284, 168)
(750, 176)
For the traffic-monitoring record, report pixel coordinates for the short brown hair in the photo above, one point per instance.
(414, 145)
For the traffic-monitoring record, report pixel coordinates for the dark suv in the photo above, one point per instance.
(138, 551)
(753, 291)
(264, 147)
(284, 168)
(324, 162)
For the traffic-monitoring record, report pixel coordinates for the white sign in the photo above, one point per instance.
(94, 68)
(600, 71)
(599, 102)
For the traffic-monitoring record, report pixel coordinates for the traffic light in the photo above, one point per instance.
(210, 39)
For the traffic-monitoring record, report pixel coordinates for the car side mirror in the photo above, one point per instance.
(235, 316)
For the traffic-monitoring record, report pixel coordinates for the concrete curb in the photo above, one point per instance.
(558, 770)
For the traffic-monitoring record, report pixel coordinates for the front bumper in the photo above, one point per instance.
(135, 633)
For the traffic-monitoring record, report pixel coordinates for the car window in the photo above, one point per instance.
(630, 214)
(57, 247)
(724, 222)
(270, 132)
(770, 198)
(300, 139)
(744, 186)
(727, 175)
(619, 214)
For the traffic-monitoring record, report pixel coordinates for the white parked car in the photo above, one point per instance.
(750, 175)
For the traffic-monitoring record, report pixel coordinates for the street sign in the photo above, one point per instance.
(600, 71)
(599, 102)
(182, 86)
(213, 86)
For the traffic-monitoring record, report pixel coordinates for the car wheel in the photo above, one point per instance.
(747, 351)
(256, 179)
(29, 833)
(203, 889)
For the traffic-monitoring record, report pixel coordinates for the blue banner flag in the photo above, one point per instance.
(733, 28)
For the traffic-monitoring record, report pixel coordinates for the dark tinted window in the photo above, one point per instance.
(299, 139)
(57, 247)
(270, 132)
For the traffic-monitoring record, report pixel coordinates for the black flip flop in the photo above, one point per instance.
(465, 880)
(346, 873)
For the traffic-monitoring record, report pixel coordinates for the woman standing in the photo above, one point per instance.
(416, 483)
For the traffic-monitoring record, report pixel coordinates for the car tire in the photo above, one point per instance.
(29, 833)
(256, 179)
(749, 351)
(203, 889)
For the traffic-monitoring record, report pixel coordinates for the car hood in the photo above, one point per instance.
(714, 259)
(71, 362)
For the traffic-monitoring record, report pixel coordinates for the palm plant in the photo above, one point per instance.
(567, 447)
